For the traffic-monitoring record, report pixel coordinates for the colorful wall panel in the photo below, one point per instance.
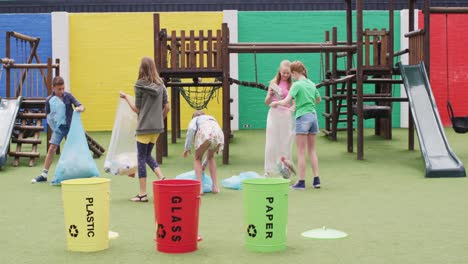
(293, 27)
(34, 25)
(457, 64)
(449, 62)
(105, 52)
(106, 48)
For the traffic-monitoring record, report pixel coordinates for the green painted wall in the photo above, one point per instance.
(294, 27)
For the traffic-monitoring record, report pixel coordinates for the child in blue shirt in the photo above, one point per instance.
(61, 131)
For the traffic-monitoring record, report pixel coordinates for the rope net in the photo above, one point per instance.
(199, 97)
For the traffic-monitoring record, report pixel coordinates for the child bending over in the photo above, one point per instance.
(205, 134)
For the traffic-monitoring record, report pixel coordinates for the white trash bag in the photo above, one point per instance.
(121, 157)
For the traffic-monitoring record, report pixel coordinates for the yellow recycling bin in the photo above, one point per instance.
(86, 210)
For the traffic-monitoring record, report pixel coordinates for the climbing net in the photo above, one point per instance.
(197, 94)
(199, 97)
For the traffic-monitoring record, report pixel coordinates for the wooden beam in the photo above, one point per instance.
(449, 10)
(289, 49)
(22, 37)
(414, 33)
(281, 44)
(31, 66)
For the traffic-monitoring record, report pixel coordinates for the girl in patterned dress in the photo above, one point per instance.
(205, 134)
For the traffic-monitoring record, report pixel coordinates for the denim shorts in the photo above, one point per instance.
(58, 135)
(307, 124)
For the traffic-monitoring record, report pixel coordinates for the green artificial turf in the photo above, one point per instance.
(392, 214)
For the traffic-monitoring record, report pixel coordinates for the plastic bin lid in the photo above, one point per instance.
(324, 233)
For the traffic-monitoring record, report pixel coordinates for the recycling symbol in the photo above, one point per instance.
(252, 231)
(73, 231)
(161, 232)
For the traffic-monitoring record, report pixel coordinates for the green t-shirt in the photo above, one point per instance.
(304, 93)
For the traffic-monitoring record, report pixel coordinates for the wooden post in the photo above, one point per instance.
(49, 92)
(161, 143)
(49, 76)
(329, 103)
(427, 36)
(177, 109)
(349, 85)
(334, 75)
(183, 65)
(201, 50)
(157, 42)
(209, 47)
(193, 57)
(226, 92)
(359, 84)
(174, 110)
(218, 55)
(183, 59)
(8, 70)
(57, 69)
(410, 116)
(390, 51)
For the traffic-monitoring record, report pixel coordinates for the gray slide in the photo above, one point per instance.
(8, 110)
(438, 157)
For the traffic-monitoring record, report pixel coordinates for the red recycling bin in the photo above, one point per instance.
(176, 209)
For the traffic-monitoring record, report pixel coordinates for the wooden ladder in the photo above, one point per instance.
(95, 147)
(27, 131)
(338, 113)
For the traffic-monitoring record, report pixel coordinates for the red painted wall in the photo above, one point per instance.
(449, 62)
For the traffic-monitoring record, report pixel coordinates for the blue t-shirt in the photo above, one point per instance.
(69, 100)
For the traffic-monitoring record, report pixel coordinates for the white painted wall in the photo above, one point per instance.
(61, 44)
(230, 17)
(404, 24)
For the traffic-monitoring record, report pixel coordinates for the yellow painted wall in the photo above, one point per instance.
(105, 52)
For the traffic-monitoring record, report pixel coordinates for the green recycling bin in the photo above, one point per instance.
(265, 213)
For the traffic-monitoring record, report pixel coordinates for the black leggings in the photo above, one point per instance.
(144, 157)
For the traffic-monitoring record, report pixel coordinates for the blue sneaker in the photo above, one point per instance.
(316, 183)
(39, 178)
(299, 185)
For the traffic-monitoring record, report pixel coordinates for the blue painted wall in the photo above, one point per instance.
(34, 25)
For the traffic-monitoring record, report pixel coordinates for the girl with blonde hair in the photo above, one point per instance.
(306, 96)
(279, 128)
